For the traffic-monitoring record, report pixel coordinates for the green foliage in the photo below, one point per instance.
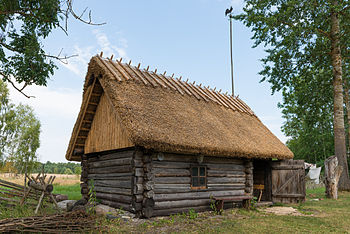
(19, 133)
(297, 38)
(68, 171)
(24, 26)
(72, 191)
(92, 198)
(58, 168)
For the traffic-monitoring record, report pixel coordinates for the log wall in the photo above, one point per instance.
(112, 176)
(171, 182)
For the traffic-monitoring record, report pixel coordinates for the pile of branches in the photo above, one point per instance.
(77, 221)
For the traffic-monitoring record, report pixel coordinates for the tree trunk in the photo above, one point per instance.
(339, 130)
(347, 106)
(332, 174)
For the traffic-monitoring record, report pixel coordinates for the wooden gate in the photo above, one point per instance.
(288, 181)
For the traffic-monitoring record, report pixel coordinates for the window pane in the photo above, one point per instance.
(202, 181)
(194, 171)
(202, 171)
(195, 181)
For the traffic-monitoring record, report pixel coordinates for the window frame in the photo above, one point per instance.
(199, 176)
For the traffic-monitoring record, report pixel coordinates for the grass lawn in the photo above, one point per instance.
(321, 216)
(73, 190)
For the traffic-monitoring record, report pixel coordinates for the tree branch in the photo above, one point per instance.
(319, 30)
(14, 86)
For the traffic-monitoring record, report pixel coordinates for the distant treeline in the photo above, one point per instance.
(58, 168)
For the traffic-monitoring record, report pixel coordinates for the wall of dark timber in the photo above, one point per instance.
(155, 184)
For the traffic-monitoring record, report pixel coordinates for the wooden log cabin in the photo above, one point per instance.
(157, 145)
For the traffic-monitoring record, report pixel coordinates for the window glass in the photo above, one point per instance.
(201, 181)
(194, 171)
(195, 182)
(198, 177)
(202, 171)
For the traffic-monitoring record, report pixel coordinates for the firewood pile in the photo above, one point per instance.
(77, 221)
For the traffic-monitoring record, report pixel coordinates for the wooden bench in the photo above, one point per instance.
(219, 201)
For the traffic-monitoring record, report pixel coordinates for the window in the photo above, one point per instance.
(198, 177)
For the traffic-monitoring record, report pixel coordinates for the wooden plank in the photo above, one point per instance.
(181, 204)
(111, 70)
(122, 191)
(113, 183)
(223, 180)
(219, 173)
(110, 163)
(114, 169)
(171, 172)
(172, 180)
(110, 156)
(114, 197)
(194, 158)
(111, 176)
(196, 195)
(188, 189)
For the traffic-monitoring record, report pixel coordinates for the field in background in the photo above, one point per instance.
(61, 179)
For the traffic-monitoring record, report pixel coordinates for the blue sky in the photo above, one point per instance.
(187, 38)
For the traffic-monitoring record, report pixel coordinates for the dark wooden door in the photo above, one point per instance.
(288, 181)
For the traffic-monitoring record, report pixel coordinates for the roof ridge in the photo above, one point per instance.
(129, 72)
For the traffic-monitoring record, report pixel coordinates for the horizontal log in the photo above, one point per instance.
(167, 212)
(194, 159)
(168, 164)
(122, 191)
(118, 205)
(148, 185)
(147, 212)
(138, 198)
(110, 163)
(137, 163)
(111, 176)
(222, 180)
(188, 189)
(114, 169)
(138, 180)
(115, 155)
(223, 173)
(138, 189)
(210, 166)
(181, 203)
(171, 172)
(148, 194)
(289, 195)
(196, 195)
(47, 188)
(139, 172)
(114, 197)
(113, 183)
(173, 180)
(148, 202)
(172, 186)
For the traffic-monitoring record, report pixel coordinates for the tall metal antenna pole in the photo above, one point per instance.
(233, 90)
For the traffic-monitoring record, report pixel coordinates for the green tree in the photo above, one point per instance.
(20, 131)
(77, 170)
(304, 37)
(25, 141)
(68, 171)
(24, 25)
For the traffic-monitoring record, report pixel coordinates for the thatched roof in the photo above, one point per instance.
(170, 115)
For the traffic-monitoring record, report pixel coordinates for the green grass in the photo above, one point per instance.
(321, 216)
(73, 191)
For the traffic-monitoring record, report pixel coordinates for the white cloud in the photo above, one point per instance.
(57, 110)
(79, 63)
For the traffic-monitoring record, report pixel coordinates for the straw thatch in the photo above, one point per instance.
(170, 115)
